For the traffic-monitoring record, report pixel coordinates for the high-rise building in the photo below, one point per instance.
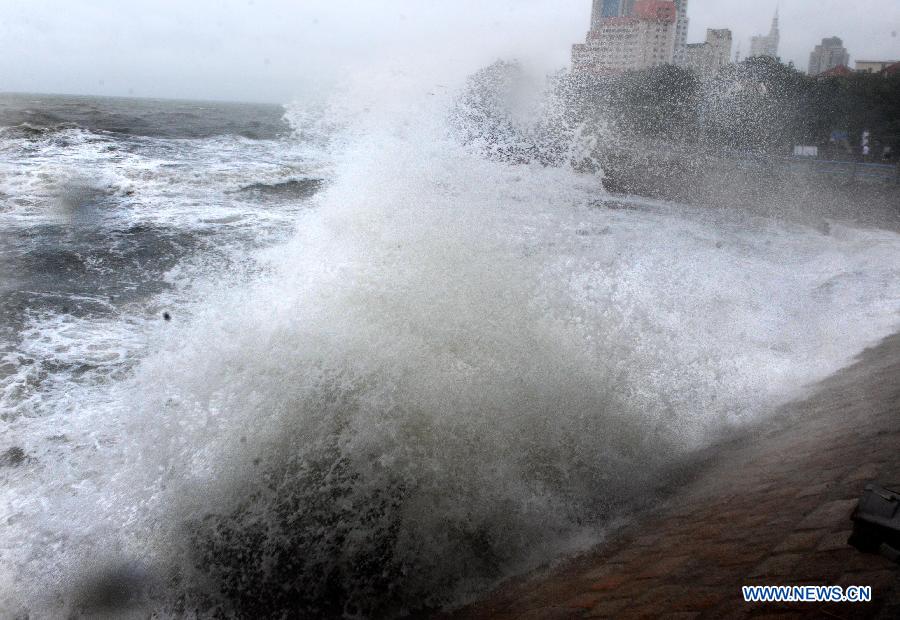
(709, 56)
(603, 9)
(828, 55)
(767, 44)
(681, 29)
(645, 37)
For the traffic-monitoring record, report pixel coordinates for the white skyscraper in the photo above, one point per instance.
(767, 44)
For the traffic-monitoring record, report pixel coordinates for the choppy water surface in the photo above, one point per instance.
(396, 370)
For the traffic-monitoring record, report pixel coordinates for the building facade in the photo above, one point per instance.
(711, 55)
(828, 55)
(604, 9)
(681, 29)
(767, 44)
(873, 66)
(645, 37)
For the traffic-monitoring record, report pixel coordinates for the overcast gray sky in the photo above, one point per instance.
(274, 50)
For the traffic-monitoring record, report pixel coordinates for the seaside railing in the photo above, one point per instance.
(851, 171)
(844, 171)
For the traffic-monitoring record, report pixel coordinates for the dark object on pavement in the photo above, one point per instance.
(13, 457)
(876, 522)
(111, 591)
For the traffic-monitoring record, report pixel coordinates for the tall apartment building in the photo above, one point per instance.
(625, 8)
(681, 29)
(828, 55)
(767, 44)
(709, 56)
(644, 37)
(604, 9)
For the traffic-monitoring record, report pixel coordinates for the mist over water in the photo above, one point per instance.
(446, 366)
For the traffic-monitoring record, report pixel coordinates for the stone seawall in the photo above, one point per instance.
(805, 191)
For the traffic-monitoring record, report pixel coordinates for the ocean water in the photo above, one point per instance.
(396, 369)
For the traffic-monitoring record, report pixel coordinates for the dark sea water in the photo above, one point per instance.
(266, 361)
(151, 118)
(103, 200)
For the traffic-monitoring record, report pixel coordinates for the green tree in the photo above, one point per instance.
(759, 105)
(660, 102)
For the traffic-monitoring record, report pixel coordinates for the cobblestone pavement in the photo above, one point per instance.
(772, 509)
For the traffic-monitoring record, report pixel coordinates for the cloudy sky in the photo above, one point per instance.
(274, 50)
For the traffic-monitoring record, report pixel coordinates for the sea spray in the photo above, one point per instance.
(459, 367)
(395, 414)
